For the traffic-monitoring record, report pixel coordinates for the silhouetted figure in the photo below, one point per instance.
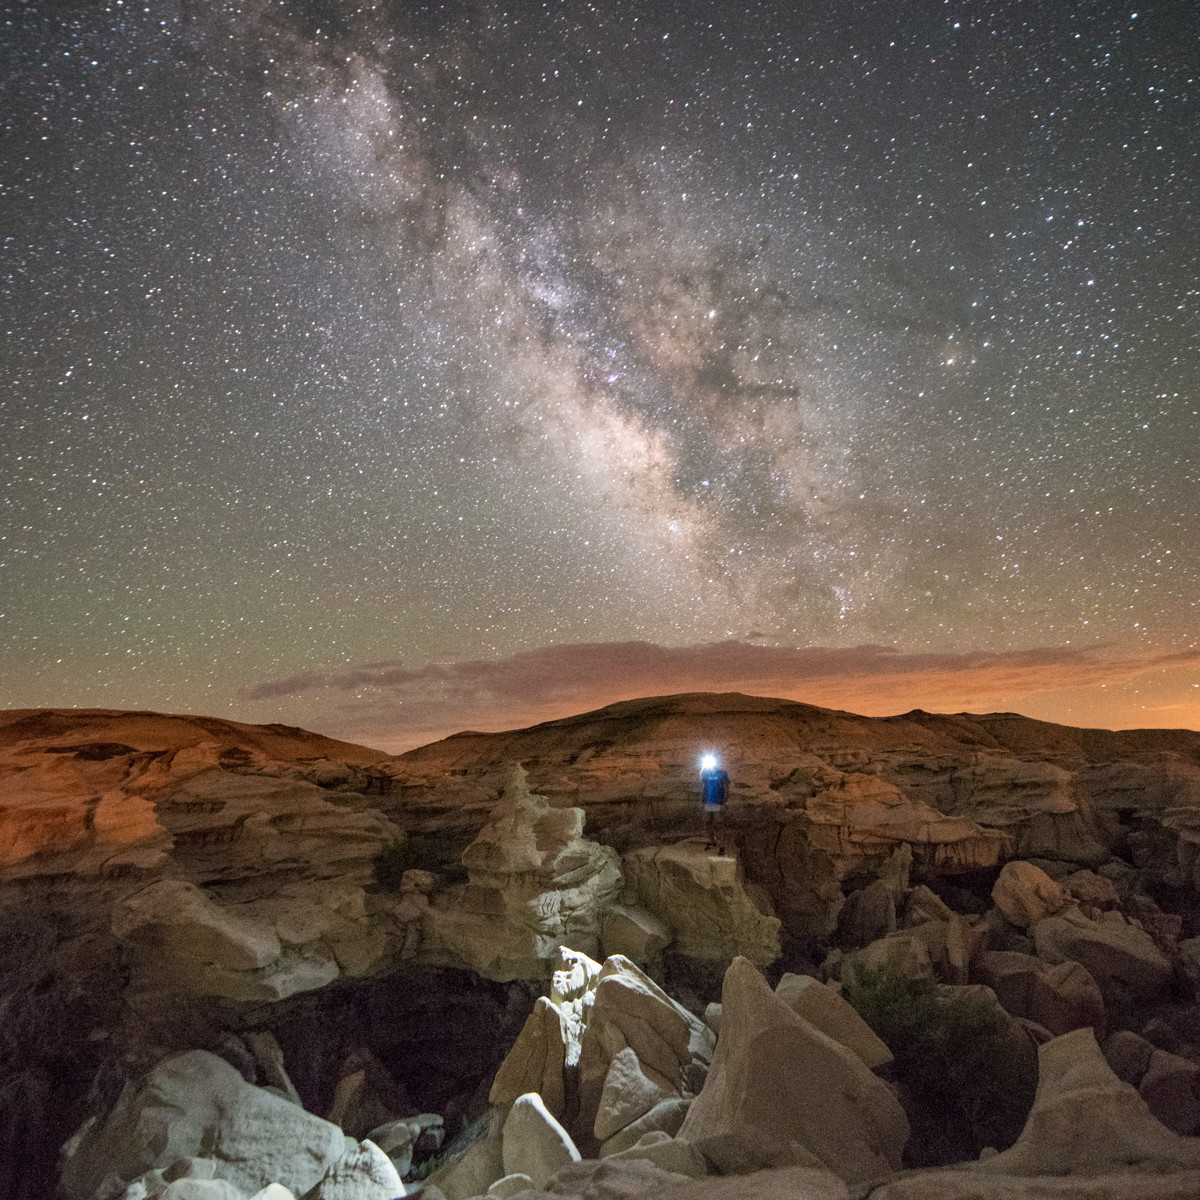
(714, 785)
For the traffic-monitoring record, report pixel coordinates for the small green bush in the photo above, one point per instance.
(416, 852)
(911, 1012)
(967, 1081)
(425, 1168)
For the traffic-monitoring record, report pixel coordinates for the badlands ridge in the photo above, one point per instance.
(933, 956)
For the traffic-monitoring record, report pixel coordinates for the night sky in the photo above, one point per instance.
(365, 361)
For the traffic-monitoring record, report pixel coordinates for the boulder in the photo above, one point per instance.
(1025, 894)
(631, 1090)
(1128, 1054)
(634, 932)
(365, 1173)
(574, 976)
(1189, 961)
(924, 904)
(1002, 934)
(510, 1185)
(195, 1104)
(951, 943)
(1093, 890)
(397, 1139)
(867, 915)
(424, 883)
(1038, 1035)
(1170, 1087)
(534, 1143)
(1066, 997)
(703, 901)
(825, 1009)
(357, 1104)
(782, 1183)
(1085, 1121)
(1012, 976)
(1164, 928)
(601, 1042)
(1123, 960)
(628, 1009)
(609, 1179)
(194, 1179)
(661, 1031)
(896, 870)
(1164, 1034)
(201, 1189)
(969, 1185)
(781, 1093)
(181, 918)
(535, 1062)
(671, 1154)
(665, 1117)
(269, 1057)
(1058, 998)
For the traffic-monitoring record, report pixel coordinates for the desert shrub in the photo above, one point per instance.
(425, 1168)
(414, 853)
(966, 1077)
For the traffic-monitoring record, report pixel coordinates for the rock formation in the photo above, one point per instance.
(782, 1093)
(818, 795)
(535, 884)
(1085, 1121)
(195, 1106)
(235, 873)
(269, 900)
(703, 903)
(783, 1108)
(778, 1091)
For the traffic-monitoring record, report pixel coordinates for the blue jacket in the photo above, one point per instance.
(715, 783)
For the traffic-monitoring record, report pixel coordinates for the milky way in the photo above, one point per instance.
(341, 333)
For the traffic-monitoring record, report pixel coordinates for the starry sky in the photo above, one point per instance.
(388, 368)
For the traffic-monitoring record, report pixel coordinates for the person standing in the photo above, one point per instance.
(714, 791)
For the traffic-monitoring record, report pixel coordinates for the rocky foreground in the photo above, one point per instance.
(933, 956)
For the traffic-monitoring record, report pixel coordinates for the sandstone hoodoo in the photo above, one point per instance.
(252, 961)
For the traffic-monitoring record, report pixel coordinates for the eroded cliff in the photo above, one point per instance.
(170, 883)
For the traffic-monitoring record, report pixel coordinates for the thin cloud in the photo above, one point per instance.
(396, 706)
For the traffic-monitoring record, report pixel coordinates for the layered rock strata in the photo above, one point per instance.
(164, 878)
(820, 795)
